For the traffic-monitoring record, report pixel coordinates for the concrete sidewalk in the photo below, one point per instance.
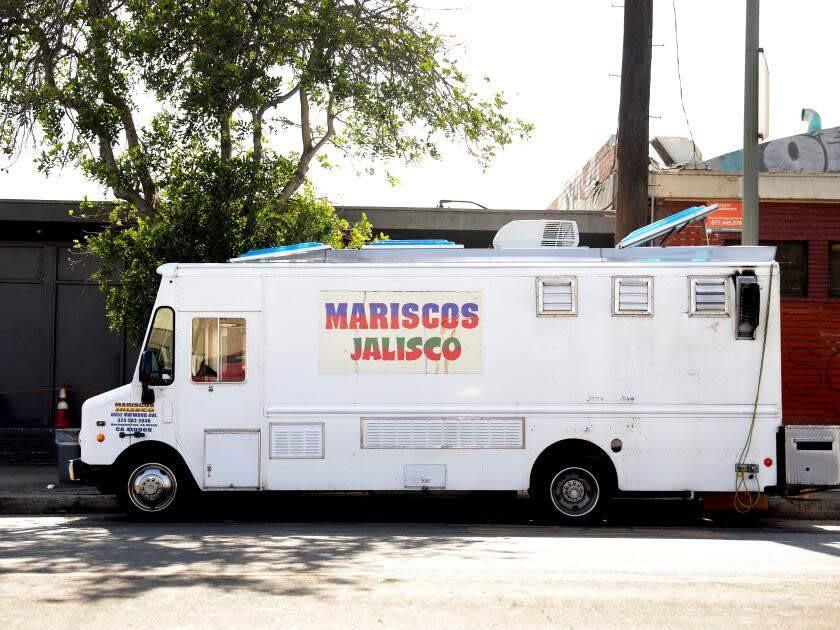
(36, 490)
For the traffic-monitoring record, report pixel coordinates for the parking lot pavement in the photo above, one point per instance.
(101, 571)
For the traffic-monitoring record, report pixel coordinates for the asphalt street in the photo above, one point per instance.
(425, 565)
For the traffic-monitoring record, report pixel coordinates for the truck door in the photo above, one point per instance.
(219, 407)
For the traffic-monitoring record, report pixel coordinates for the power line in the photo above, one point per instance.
(679, 76)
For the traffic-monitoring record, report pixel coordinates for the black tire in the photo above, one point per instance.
(154, 487)
(574, 491)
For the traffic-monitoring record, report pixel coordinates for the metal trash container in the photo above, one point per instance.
(67, 448)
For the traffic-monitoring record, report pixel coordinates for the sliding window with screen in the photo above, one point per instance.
(218, 350)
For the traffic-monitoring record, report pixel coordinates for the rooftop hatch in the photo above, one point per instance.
(430, 243)
(667, 226)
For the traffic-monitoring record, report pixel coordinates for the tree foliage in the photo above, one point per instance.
(158, 99)
(201, 216)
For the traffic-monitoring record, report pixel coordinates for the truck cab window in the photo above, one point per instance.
(161, 342)
(218, 350)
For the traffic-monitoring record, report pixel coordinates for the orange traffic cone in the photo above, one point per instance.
(62, 419)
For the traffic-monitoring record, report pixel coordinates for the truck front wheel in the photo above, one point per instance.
(152, 489)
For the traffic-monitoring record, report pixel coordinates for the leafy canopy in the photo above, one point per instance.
(201, 216)
(204, 115)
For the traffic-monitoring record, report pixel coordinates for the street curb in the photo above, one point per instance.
(58, 504)
(816, 508)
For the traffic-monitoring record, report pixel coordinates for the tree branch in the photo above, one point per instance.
(133, 196)
(305, 126)
(133, 140)
(145, 203)
(310, 146)
(225, 142)
(256, 133)
(274, 102)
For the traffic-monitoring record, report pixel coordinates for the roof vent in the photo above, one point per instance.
(535, 234)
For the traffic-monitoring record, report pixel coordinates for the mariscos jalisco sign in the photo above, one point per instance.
(400, 332)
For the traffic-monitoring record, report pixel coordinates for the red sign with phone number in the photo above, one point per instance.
(726, 217)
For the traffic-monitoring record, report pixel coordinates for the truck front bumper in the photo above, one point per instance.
(75, 468)
(87, 474)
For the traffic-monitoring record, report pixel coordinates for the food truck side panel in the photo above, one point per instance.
(682, 416)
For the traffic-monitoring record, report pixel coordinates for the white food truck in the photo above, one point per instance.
(569, 373)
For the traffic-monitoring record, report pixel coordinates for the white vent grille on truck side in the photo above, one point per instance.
(297, 441)
(533, 234)
(556, 296)
(443, 433)
(632, 296)
(709, 297)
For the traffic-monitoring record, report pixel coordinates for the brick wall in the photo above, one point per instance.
(811, 324)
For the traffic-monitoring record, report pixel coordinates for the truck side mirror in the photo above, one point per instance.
(147, 366)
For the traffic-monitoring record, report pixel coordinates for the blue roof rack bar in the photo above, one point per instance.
(665, 227)
(284, 251)
(431, 243)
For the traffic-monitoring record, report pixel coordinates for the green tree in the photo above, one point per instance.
(172, 104)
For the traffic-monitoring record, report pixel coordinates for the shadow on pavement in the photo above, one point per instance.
(232, 544)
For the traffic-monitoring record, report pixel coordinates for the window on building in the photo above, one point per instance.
(793, 265)
(161, 343)
(218, 350)
(834, 269)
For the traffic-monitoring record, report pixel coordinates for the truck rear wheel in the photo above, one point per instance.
(152, 487)
(574, 492)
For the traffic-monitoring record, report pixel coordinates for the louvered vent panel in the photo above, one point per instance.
(557, 296)
(442, 433)
(560, 234)
(710, 297)
(297, 440)
(633, 296)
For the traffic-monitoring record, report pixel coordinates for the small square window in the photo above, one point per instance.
(709, 297)
(834, 269)
(792, 257)
(633, 296)
(556, 296)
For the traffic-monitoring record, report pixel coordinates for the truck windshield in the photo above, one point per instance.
(161, 343)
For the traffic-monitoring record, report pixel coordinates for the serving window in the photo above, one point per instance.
(218, 350)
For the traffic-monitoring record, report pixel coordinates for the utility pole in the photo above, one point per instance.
(633, 119)
(749, 201)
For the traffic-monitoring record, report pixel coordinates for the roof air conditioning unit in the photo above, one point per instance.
(536, 234)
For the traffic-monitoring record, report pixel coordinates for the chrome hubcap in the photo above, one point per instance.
(574, 491)
(152, 487)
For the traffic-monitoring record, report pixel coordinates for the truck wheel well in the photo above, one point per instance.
(148, 449)
(573, 449)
